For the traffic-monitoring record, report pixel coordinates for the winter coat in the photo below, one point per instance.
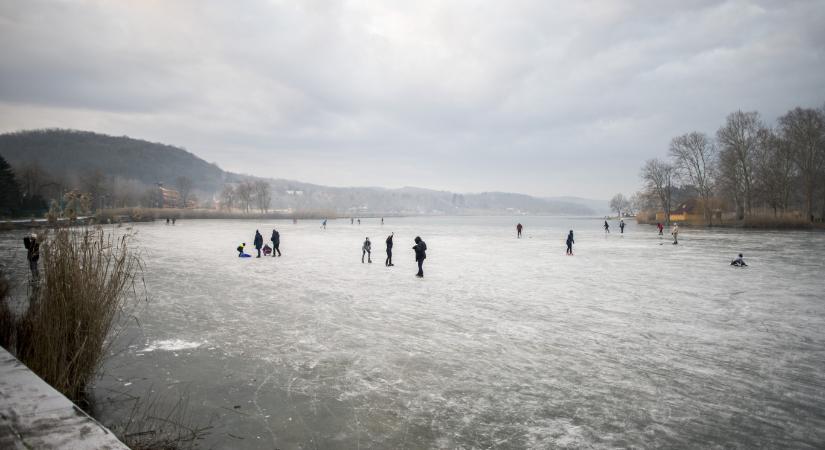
(420, 251)
(33, 249)
(389, 243)
(367, 246)
(276, 238)
(259, 240)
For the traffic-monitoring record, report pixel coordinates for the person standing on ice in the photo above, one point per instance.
(621, 225)
(420, 248)
(606, 227)
(276, 242)
(570, 243)
(388, 262)
(518, 230)
(366, 250)
(324, 224)
(675, 233)
(660, 227)
(32, 254)
(259, 242)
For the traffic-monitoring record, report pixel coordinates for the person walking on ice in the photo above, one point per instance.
(675, 233)
(259, 242)
(621, 226)
(519, 227)
(388, 262)
(570, 243)
(366, 250)
(660, 227)
(606, 227)
(420, 249)
(32, 254)
(276, 242)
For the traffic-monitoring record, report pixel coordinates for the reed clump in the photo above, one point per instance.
(89, 280)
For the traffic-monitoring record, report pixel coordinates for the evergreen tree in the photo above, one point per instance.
(9, 190)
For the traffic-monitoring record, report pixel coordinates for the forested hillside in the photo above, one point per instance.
(123, 172)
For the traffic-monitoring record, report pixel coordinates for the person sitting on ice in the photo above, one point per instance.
(240, 249)
(739, 262)
(267, 250)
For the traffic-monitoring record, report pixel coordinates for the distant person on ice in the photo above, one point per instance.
(32, 254)
(420, 248)
(324, 224)
(519, 227)
(276, 242)
(675, 233)
(366, 249)
(606, 227)
(570, 243)
(388, 262)
(240, 249)
(621, 225)
(739, 262)
(660, 227)
(259, 242)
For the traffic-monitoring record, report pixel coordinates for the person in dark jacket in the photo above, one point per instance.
(388, 262)
(739, 262)
(420, 248)
(570, 243)
(621, 225)
(32, 254)
(366, 249)
(519, 227)
(259, 242)
(606, 227)
(276, 243)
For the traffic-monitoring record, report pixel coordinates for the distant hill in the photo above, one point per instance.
(69, 154)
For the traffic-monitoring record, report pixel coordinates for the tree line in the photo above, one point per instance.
(748, 168)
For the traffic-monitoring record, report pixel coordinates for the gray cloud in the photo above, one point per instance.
(547, 98)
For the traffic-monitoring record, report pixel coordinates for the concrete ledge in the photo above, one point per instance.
(35, 415)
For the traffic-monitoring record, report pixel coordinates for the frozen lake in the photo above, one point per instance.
(505, 343)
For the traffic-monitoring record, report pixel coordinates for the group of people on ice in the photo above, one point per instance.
(258, 242)
(420, 249)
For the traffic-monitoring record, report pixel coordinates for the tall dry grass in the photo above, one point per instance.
(90, 278)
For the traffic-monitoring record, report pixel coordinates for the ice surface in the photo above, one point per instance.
(171, 345)
(507, 343)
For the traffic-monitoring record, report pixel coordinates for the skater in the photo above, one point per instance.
(660, 227)
(366, 250)
(739, 262)
(173, 220)
(167, 221)
(382, 221)
(388, 262)
(259, 242)
(32, 254)
(359, 221)
(276, 243)
(420, 248)
(675, 233)
(352, 221)
(621, 226)
(606, 227)
(570, 243)
(518, 230)
(324, 224)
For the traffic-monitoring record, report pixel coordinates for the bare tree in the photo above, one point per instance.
(228, 197)
(184, 185)
(695, 160)
(777, 170)
(94, 183)
(804, 131)
(739, 139)
(618, 203)
(244, 194)
(263, 195)
(658, 178)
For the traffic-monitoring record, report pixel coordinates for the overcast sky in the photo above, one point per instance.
(540, 97)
